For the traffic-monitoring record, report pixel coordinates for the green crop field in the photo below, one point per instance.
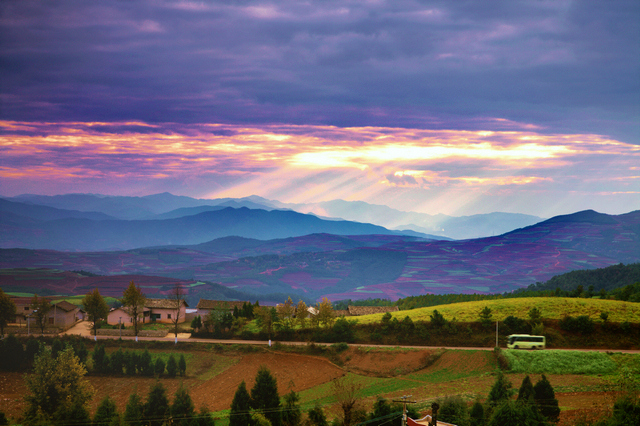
(551, 308)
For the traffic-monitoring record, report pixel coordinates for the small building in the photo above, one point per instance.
(155, 310)
(62, 314)
(164, 310)
(121, 316)
(205, 306)
(356, 311)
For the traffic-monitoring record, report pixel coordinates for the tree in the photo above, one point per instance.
(100, 359)
(486, 317)
(510, 413)
(302, 314)
(265, 318)
(437, 319)
(134, 411)
(182, 410)
(57, 390)
(326, 316)
(106, 413)
(285, 313)
(347, 394)
(291, 413)
(381, 414)
(545, 399)
(535, 316)
(205, 418)
(476, 415)
(156, 409)
(172, 366)
(196, 323)
(240, 414)
(158, 367)
(177, 300)
(500, 391)
(316, 416)
(7, 311)
(40, 308)
(133, 301)
(145, 363)
(95, 307)
(265, 397)
(453, 410)
(526, 393)
(11, 354)
(182, 365)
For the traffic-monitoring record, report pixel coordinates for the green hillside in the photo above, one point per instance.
(551, 308)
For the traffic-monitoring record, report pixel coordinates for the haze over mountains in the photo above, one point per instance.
(268, 251)
(168, 206)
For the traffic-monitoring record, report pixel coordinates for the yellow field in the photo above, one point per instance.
(551, 308)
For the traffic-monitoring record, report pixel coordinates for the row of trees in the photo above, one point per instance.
(59, 394)
(134, 363)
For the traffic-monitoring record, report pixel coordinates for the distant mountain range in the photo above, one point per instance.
(168, 206)
(364, 266)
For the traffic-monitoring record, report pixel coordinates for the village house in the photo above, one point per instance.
(155, 310)
(121, 316)
(62, 314)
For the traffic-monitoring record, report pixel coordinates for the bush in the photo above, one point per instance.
(582, 324)
(516, 325)
(453, 410)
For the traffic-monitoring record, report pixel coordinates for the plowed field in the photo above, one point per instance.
(213, 379)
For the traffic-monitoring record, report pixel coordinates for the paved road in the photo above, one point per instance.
(83, 328)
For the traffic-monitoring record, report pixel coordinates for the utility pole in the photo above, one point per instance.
(496, 334)
(404, 407)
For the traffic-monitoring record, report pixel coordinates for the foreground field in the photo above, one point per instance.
(214, 373)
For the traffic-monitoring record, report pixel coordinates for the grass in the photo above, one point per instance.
(551, 308)
(561, 362)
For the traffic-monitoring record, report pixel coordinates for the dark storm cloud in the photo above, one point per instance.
(567, 66)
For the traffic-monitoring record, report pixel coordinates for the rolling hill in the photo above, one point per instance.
(373, 266)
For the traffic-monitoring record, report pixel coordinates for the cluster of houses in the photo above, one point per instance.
(64, 314)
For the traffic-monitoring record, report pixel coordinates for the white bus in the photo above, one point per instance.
(526, 341)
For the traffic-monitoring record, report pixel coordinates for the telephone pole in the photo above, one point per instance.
(404, 407)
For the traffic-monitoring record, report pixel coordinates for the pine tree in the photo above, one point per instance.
(316, 416)
(500, 391)
(172, 366)
(134, 411)
(545, 399)
(291, 413)
(156, 408)
(476, 416)
(526, 393)
(182, 365)
(158, 367)
(265, 397)
(107, 413)
(509, 413)
(240, 414)
(182, 410)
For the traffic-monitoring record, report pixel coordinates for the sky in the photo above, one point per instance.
(454, 107)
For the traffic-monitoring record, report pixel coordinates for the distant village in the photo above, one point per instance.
(64, 314)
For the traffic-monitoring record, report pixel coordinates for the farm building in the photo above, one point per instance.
(158, 310)
(62, 314)
(121, 316)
